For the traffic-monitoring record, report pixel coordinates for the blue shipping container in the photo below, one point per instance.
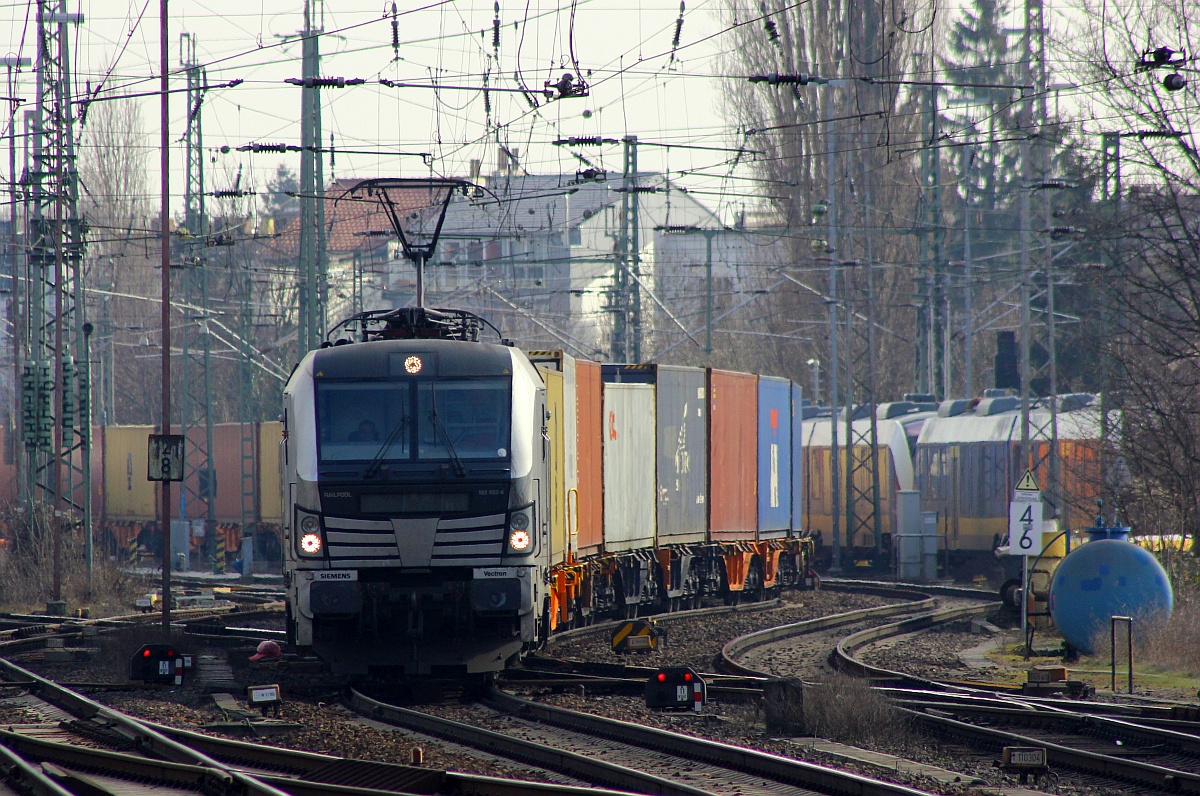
(797, 459)
(774, 457)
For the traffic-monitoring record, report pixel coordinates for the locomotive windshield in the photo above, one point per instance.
(449, 419)
(467, 418)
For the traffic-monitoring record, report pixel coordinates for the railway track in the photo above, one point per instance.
(1161, 754)
(625, 755)
(79, 747)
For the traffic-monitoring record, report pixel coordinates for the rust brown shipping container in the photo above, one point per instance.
(732, 456)
(590, 496)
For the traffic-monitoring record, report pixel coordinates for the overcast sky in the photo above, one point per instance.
(636, 87)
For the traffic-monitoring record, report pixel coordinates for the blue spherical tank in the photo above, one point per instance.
(1103, 578)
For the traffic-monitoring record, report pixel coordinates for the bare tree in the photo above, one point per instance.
(874, 129)
(1148, 239)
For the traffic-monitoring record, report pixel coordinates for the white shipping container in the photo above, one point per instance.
(630, 488)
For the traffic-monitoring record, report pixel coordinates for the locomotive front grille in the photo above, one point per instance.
(469, 541)
(351, 540)
(459, 542)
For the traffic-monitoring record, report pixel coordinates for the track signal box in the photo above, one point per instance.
(157, 663)
(676, 688)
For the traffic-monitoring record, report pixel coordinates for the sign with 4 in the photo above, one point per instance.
(1025, 518)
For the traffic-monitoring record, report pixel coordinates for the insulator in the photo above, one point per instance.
(769, 24)
(395, 35)
(29, 401)
(68, 392)
(496, 28)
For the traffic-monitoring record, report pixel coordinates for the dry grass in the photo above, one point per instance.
(27, 570)
(845, 709)
(1174, 647)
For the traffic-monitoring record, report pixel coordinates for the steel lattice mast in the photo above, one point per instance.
(199, 483)
(55, 433)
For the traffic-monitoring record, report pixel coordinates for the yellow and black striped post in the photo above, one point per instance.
(638, 635)
(134, 558)
(219, 551)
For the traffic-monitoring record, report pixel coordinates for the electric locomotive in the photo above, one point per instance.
(415, 480)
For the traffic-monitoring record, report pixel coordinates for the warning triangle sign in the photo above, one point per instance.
(1028, 483)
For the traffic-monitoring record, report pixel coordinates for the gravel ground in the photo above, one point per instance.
(743, 725)
(933, 654)
(696, 642)
(326, 726)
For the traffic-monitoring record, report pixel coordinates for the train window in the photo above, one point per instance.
(464, 418)
(356, 419)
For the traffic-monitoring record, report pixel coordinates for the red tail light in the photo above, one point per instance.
(662, 678)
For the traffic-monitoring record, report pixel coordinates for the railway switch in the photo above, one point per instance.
(638, 635)
(676, 688)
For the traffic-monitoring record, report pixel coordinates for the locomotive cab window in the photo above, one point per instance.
(357, 419)
(463, 418)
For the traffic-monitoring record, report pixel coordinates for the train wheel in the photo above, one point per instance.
(754, 582)
(1010, 593)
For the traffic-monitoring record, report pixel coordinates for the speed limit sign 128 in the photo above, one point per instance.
(1025, 524)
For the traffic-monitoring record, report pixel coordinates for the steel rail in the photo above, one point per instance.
(27, 777)
(926, 588)
(324, 771)
(738, 647)
(570, 763)
(1017, 712)
(843, 655)
(752, 761)
(1090, 762)
(137, 732)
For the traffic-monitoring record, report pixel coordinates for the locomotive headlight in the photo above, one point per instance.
(311, 541)
(520, 536)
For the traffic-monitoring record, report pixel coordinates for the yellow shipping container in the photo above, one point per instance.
(127, 493)
(270, 501)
